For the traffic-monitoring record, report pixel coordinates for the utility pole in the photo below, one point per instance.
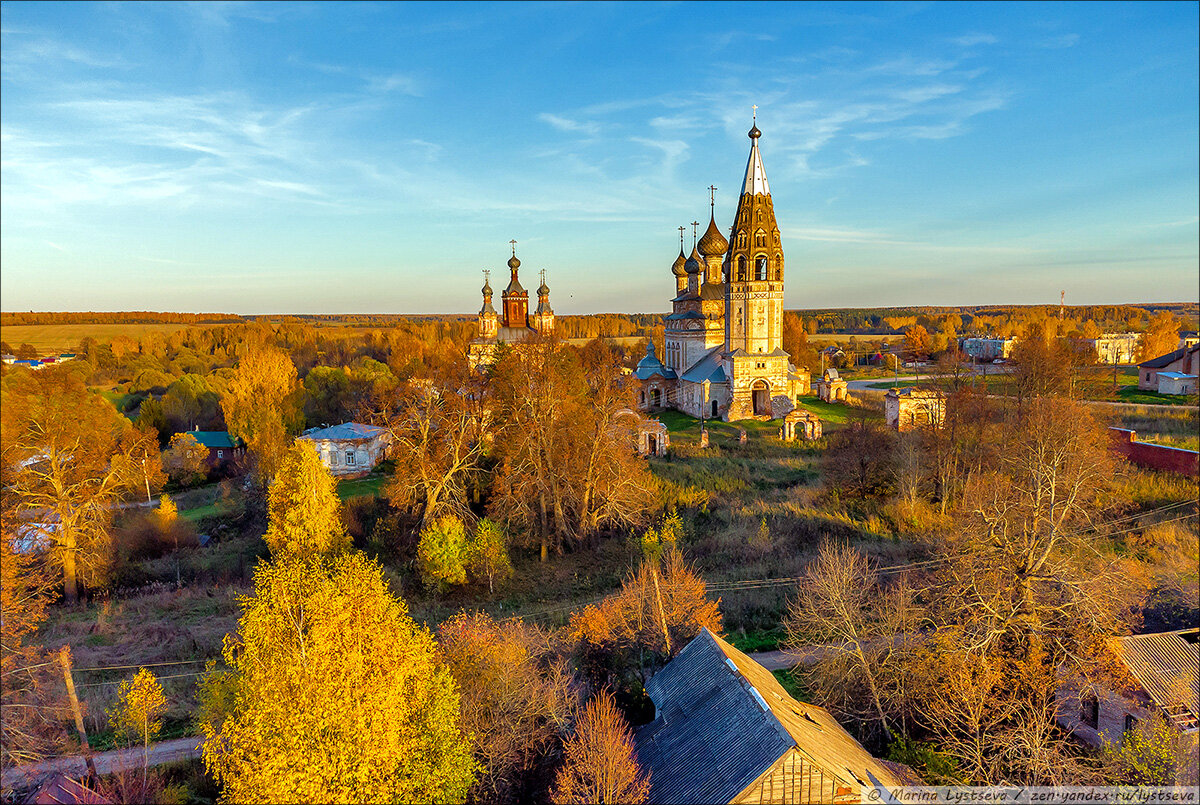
(64, 657)
(146, 478)
(661, 616)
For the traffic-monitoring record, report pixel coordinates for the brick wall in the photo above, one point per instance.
(1154, 456)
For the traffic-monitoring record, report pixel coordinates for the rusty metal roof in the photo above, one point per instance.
(1167, 666)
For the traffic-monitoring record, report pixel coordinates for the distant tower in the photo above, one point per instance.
(515, 298)
(543, 316)
(754, 266)
(1062, 305)
(487, 314)
(677, 268)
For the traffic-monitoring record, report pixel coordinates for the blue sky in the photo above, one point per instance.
(375, 157)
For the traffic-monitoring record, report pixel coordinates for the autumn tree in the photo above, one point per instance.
(659, 609)
(917, 343)
(326, 396)
(443, 552)
(303, 509)
(487, 555)
(185, 460)
(69, 456)
(1160, 337)
(1153, 753)
(518, 702)
(190, 403)
(334, 694)
(842, 605)
(438, 430)
(600, 762)
(262, 405)
(1046, 365)
(861, 459)
(136, 717)
(30, 729)
(565, 445)
(1024, 597)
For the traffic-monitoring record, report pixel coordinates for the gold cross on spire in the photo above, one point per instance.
(681, 238)
(542, 274)
(487, 276)
(712, 196)
(695, 226)
(755, 108)
(514, 247)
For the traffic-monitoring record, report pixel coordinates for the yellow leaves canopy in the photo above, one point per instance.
(303, 507)
(336, 695)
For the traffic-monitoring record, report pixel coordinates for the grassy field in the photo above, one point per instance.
(56, 338)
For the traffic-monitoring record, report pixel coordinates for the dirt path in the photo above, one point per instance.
(106, 762)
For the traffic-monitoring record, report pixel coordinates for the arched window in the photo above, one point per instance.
(760, 238)
(741, 269)
(741, 239)
(760, 267)
(778, 267)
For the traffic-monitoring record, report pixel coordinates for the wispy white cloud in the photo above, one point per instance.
(971, 40)
(566, 124)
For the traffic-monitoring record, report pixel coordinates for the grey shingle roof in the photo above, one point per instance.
(1167, 665)
(710, 738)
(722, 720)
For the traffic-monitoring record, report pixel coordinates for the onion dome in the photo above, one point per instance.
(486, 290)
(543, 289)
(692, 266)
(713, 243)
(514, 263)
(677, 267)
(754, 133)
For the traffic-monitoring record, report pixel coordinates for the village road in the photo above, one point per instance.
(106, 762)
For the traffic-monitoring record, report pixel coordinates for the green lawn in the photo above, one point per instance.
(372, 485)
(836, 413)
(213, 509)
(1132, 394)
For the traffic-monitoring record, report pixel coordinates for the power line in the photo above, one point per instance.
(145, 665)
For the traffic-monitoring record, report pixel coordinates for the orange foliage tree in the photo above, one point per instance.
(600, 764)
(69, 456)
(517, 701)
(659, 609)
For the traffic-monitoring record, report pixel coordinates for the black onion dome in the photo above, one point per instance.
(692, 266)
(713, 243)
(754, 133)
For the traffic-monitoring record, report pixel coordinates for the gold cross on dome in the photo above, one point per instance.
(712, 196)
(514, 247)
(755, 108)
(487, 276)
(681, 238)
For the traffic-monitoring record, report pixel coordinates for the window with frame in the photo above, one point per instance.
(220, 454)
(1089, 711)
(760, 267)
(349, 457)
(1131, 723)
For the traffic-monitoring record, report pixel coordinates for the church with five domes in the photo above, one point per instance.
(723, 347)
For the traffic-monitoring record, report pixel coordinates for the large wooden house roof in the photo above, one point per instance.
(722, 721)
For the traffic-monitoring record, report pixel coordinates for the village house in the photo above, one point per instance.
(911, 409)
(1163, 669)
(1184, 361)
(351, 449)
(222, 448)
(726, 731)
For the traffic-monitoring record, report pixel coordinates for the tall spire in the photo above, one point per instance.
(755, 182)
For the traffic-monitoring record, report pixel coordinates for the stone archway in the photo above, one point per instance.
(760, 397)
(714, 409)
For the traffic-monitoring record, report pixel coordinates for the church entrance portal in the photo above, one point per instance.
(714, 409)
(655, 398)
(652, 446)
(760, 396)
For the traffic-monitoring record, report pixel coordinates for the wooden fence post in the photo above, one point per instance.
(64, 656)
